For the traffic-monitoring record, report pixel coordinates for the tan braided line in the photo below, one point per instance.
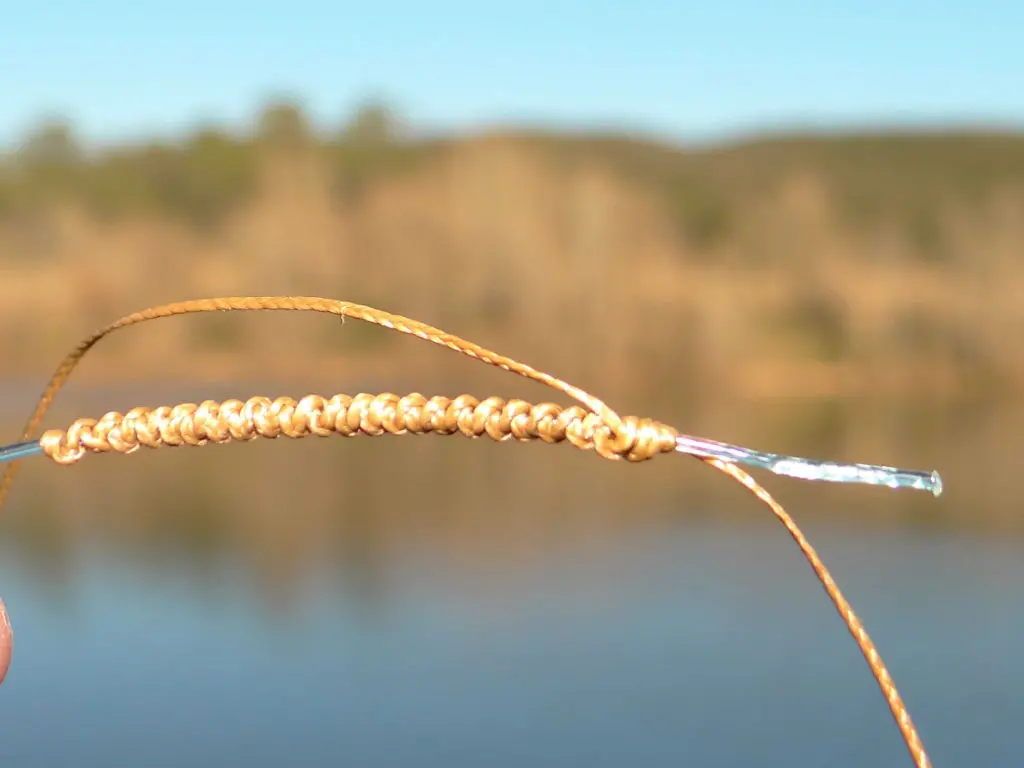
(310, 304)
(845, 610)
(601, 429)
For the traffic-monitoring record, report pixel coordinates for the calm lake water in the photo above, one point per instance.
(418, 602)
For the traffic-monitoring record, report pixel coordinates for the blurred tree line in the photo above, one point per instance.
(910, 182)
(201, 178)
(854, 251)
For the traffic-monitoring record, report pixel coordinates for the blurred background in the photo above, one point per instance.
(795, 227)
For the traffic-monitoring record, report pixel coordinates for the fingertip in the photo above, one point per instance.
(6, 641)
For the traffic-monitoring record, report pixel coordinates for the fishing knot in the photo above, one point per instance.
(634, 439)
(610, 436)
(122, 433)
(596, 427)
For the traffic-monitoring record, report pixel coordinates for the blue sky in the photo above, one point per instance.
(688, 70)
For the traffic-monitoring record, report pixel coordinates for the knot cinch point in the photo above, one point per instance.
(634, 439)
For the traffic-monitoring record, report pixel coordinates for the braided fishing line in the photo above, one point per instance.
(591, 425)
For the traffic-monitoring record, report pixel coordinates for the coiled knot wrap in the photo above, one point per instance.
(631, 438)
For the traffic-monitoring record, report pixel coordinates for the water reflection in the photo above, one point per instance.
(437, 601)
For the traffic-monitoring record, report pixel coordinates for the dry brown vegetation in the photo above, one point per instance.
(807, 264)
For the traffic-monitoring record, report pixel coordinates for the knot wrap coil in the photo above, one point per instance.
(364, 414)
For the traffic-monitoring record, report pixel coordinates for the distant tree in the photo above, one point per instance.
(283, 124)
(206, 178)
(51, 144)
(374, 123)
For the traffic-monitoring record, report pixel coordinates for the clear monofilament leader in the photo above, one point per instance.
(812, 469)
(19, 451)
